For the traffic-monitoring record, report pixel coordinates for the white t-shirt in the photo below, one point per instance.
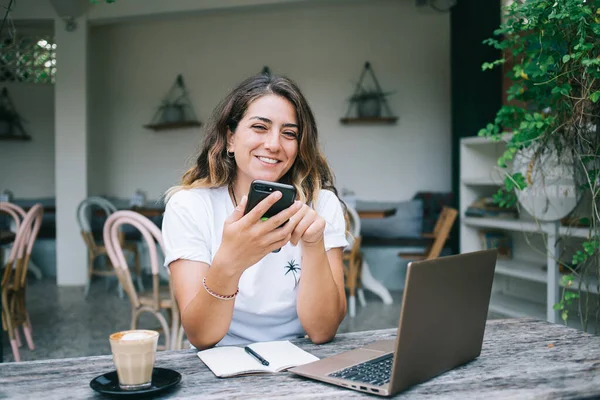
(265, 307)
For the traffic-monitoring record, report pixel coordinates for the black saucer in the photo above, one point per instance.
(162, 379)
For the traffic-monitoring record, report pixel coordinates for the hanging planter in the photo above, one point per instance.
(370, 103)
(175, 111)
(11, 123)
(551, 192)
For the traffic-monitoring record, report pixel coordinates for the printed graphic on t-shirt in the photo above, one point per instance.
(293, 268)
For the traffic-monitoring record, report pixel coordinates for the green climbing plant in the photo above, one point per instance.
(554, 105)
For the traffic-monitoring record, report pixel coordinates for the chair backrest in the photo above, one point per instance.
(17, 214)
(23, 245)
(354, 226)
(16, 209)
(442, 229)
(151, 234)
(84, 217)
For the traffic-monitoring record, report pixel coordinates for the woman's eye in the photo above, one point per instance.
(260, 127)
(290, 134)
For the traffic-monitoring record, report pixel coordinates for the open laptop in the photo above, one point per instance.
(442, 322)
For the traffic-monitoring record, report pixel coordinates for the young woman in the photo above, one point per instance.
(230, 286)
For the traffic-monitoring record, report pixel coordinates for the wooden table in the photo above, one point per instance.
(7, 237)
(376, 213)
(158, 210)
(150, 212)
(521, 358)
(370, 213)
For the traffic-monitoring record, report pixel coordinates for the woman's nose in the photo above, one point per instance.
(272, 141)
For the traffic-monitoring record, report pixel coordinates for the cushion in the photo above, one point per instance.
(433, 202)
(406, 223)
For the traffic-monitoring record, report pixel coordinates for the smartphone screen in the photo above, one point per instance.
(259, 190)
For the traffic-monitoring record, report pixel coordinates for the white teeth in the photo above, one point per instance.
(268, 160)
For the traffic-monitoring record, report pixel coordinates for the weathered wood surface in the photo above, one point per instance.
(520, 359)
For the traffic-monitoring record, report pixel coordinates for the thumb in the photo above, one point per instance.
(238, 212)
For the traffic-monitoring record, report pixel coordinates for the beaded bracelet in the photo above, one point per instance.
(217, 295)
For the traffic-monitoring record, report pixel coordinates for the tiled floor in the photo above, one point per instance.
(67, 325)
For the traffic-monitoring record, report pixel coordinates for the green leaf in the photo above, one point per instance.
(566, 58)
(567, 279)
(564, 315)
(595, 96)
(571, 295)
(558, 306)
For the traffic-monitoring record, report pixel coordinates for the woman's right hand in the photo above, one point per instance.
(247, 239)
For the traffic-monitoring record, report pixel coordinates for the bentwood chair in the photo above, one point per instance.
(14, 311)
(95, 250)
(353, 262)
(159, 299)
(17, 214)
(439, 236)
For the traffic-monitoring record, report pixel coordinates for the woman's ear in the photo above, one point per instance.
(229, 140)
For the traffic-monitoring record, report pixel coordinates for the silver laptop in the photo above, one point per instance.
(442, 322)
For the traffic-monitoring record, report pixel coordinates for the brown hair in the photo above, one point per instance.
(213, 168)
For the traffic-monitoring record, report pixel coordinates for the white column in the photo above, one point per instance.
(71, 134)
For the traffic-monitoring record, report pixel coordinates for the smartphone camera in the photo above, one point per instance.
(263, 188)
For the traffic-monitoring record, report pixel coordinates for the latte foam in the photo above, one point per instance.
(133, 335)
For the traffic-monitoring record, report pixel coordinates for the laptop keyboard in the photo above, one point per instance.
(375, 372)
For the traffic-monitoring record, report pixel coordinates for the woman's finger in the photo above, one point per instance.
(262, 207)
(283, 216)
(315, 231)
(302, 226)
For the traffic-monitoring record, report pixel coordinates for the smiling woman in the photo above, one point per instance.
(264, 129)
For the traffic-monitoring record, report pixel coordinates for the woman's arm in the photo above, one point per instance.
(321, 295)
(245, 241)
(205, 318)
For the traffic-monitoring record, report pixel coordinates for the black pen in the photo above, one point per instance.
(256, 355)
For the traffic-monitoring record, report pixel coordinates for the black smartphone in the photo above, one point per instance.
(259, 190)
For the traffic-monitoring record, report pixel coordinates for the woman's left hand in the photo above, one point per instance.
(310, 226)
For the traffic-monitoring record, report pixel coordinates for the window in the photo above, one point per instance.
(30, 59)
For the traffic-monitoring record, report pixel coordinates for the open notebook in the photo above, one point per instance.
(227, 361)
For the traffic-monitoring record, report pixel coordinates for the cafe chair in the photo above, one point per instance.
(353, 262)
(439, 236)
(95, 250)
(14, 311)
(160, 298)
(17, 214)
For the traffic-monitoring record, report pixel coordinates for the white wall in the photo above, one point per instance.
(322, 47)
(27, 167)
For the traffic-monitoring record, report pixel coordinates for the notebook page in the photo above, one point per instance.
(282, 354)
(230, 361)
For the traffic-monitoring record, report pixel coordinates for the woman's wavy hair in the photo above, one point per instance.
(213, 168)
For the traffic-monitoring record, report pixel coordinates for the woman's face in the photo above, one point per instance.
(265, 142)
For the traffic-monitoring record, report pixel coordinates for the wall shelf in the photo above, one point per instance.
(502, 223)
(522, 269)
(480, 140)
(482, 181)
(515, 307)
(172, 125)
(21, 138)
(369, 120)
